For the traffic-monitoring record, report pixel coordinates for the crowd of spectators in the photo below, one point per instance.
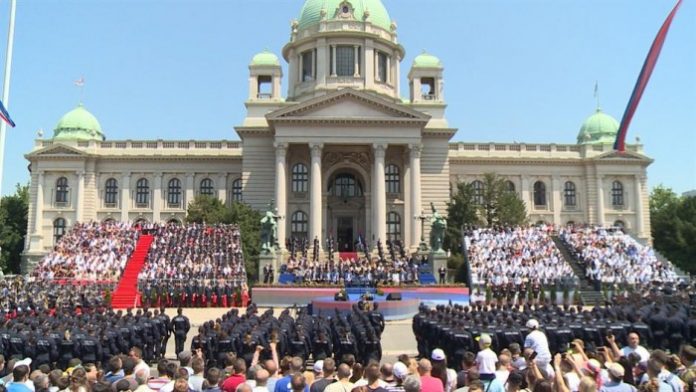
(516, 256)
(610, 256)
(95, 251)
(360, 271)
(195, 252)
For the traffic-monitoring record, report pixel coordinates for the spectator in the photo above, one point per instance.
(427, 381)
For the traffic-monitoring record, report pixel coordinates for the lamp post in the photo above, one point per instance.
(422, 217)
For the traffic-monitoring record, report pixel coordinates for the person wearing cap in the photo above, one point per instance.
(486, 358)
(616, 374)
(327, 367)
(537, 341)
(400, 372)
(441, 371)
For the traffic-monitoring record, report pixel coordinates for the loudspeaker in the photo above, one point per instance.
(394, 297)
(339, 297)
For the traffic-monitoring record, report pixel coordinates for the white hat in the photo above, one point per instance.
(318, 366)
(25, 361)
(400, 370)
(616, 370)
(438, 355)
(532, 324)
(485, 339)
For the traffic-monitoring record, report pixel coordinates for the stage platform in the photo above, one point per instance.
(322, 299)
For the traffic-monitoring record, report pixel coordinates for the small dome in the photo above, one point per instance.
(312, 10)
(265, 58)
(598, 128)
(78, 124)
(425, 60)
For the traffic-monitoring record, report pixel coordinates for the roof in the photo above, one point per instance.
(426, 60)
(78, 124)
(598, 128)
(265, 58)
(312, 11)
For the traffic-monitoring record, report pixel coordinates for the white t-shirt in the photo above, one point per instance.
(537, 341)
(486, 359)
(640, 350)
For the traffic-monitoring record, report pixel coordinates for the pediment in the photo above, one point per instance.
(61, 150)
(622, 156)
(348, 105)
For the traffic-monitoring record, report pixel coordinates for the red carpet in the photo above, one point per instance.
(348, 255)
(127, 290)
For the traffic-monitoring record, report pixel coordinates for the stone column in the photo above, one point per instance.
(188, 190)
(557, 199)
(416, 203)
(79, 208)
(333, 60)
(356, 58)
(38, 216)
(222, 188)
(600, 201)
(380, 193)
(280, 191)
(639, 207)
(397, 77)
(528, 202)
(315, 194)
(125, 196)
(157, 199)
(407, 220)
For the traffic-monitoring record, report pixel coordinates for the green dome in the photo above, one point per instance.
(78, 124)
(312, 12)
(265, 58)
(598, 128)
(425, 60)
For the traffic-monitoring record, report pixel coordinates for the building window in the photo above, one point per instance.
(300, 178)
(174, 193)
(237, 190)
(62, 190)
(307, 65)
(382, 67)
(619, 224)
(393, 179)
(58, 229)
(299, 225)
(539, 194)
(142, 193)
(110, 192)
(394, 226)
(345, 185)
(510, 186)
(478, 188)
(617, 194)
(206, 188)
(345, 61)
(570, 194)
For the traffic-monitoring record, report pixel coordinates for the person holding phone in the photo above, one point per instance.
(537, 341)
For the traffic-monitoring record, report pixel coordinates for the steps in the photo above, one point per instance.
(127, 290)
(588, 295)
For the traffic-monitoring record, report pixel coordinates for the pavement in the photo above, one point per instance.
(397, 337)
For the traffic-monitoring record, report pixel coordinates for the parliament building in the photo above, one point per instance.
(347, 152)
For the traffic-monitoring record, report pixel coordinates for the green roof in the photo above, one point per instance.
(78, 124)
(265, 58)
(425, 60)
(598, 128)
(312, 10)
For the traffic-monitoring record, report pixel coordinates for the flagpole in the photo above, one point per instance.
(6, 86)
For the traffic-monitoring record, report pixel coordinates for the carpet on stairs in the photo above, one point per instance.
(348, 255)
(127, 290)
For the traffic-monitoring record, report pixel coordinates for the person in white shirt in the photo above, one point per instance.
(537, 341)
(486, 358)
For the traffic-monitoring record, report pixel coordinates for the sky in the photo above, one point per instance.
(515, 70)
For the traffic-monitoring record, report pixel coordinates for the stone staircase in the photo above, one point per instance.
(588, 294)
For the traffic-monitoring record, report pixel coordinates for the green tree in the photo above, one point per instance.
(14, 211)
(511, 210)
(500, 206)
(206, 209)
(673, 222)
(461, 211)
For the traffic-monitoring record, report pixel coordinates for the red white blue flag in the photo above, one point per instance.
(643, 79)
(6, 116)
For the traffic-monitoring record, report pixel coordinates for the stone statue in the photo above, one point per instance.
(269, 229)
(438, 225)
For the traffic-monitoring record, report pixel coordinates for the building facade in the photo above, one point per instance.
(341, 155)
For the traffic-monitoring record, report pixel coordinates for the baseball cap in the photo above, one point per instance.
(616, 370)
(437, 355)
(532, 324)
(318, 366)
(485, 339)
(400, 370)
(185, 355)
(25, 361)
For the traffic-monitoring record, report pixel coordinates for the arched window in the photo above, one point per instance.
(392, 178)
(510, 186)
(58, 229)
(570, 194)
(298, 225)
(62, 190)
(570, 223)
(619, 224)
(206, 187)
(111, 192)
(478, 186)
(142, 192)
(174, 222)
(300, 178)
(174, 193)
(394, 226)
(617, 194)
(237, 190)
(539, 194)
(345, 185)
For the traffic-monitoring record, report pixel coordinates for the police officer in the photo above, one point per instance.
(180, 326)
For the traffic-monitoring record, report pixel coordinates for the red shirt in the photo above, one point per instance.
(232, 382)
(431, 384)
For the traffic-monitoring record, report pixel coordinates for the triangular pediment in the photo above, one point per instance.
(57, 150)
(622, 156)
(348, 105)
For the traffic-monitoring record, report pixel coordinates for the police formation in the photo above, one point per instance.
(294, 332)
(661, 321)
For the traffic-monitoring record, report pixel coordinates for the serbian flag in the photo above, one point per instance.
(643, 79)
(6, 116)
